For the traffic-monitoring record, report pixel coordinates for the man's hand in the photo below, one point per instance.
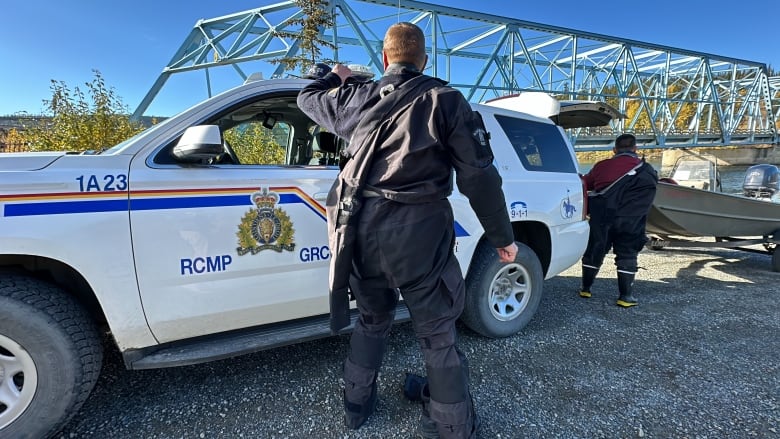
(507, 254)
(343, 71)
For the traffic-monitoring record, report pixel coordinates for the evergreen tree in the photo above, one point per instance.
(316, 16)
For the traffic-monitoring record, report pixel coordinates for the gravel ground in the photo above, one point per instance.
(698, 358)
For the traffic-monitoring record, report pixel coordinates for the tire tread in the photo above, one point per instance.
(66, 313)
(473, 313)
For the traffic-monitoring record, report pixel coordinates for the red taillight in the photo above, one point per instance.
(584, 199)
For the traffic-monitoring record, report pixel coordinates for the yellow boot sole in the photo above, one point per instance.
(626, 304)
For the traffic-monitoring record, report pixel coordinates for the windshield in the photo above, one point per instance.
(119, 146)
(692, 171)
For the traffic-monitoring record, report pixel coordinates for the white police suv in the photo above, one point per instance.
(212, 223)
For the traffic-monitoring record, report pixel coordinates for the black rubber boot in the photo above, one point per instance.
(427, 428)
(588, 276)
(355, 415)
(416, 389)
(413, 386)
(625, 282)
(456, 421)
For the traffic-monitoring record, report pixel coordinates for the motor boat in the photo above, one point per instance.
(691, 205)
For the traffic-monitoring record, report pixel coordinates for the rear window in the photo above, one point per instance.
(539, 146)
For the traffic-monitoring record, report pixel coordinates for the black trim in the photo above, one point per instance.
(244, 341)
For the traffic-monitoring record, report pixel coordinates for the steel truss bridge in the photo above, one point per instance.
(672, 97)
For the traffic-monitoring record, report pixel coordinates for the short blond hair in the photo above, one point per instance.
(405, 43)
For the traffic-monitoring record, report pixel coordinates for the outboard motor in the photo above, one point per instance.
(761, 181)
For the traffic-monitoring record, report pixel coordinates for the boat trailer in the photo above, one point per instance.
(769, 244)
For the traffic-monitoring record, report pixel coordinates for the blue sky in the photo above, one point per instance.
(130, 42)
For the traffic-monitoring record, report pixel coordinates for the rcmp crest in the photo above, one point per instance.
(265, 228)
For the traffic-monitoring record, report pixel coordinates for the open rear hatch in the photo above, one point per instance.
(567, 114)
(582, 114)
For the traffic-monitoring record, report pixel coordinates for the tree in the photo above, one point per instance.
(80, 122)
(255, 144)
(316, 16)
(15, 141)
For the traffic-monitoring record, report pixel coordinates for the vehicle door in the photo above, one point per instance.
(240, 240)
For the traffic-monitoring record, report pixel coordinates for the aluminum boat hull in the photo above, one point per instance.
(684, 211)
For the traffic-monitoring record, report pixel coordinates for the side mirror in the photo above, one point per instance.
(199, 144)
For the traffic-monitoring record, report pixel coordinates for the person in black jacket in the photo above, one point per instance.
(405, 228)
(620, 192)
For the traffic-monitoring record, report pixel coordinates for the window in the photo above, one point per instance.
(255, 144)
(268, 130)
(539, 146)
(273, 131)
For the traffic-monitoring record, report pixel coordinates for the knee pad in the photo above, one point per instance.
(366, 351)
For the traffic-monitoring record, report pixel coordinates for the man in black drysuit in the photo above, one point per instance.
(405, 229)
(620, 192)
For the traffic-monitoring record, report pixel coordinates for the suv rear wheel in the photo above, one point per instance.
(50, 357)
(502, 298)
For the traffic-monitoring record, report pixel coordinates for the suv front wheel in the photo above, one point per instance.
(502, 298)
(50, 357)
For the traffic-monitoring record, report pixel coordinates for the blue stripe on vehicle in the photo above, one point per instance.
(63, 207)
(188, 202)
(295, 198)
(140, 204)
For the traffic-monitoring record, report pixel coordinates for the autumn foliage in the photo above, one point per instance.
(78, 120)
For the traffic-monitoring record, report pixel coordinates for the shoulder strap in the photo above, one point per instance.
(392, 99)
(631, 171)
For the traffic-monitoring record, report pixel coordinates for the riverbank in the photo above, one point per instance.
(726, 155)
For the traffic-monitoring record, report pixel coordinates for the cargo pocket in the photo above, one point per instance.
(454, 286)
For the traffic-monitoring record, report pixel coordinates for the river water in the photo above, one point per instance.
(732, 177)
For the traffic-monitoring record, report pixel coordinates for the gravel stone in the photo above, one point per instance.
(698, 358)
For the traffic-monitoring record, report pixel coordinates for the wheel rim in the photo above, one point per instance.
(509, 292)
(18, 380)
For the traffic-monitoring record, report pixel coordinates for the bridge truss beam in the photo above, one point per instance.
(673, 97)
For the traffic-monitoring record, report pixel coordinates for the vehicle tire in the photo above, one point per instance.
(776, 259)
(50, 357)
(502, 298)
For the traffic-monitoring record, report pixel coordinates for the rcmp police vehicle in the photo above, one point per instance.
(212, 223)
